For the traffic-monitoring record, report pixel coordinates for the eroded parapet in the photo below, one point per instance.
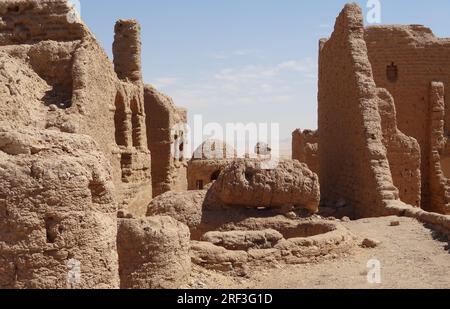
(30, 21)
(403, 152)
(166, 132)
(354, 168)
(440, 155)
(305, 148)
(127, 50)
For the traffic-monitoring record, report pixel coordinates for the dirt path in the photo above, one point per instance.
(410, 257)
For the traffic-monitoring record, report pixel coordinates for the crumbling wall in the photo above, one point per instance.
(440, 154)
(129, 119)
(353, 162)
(403, 152)
(405, 60)
(165, 130)
(28, 21)
(58, 211)
(127, 50)
(305, 148)
(61, 79)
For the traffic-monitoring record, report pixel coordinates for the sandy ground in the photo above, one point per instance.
(411, 256)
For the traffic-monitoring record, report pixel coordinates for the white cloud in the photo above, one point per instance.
(246, 85)
(164, 82)
(222, 55)
(324, 30)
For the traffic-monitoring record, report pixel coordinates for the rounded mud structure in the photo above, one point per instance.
(185, 207)
(289, 185)
(153, 253)
(274, 240)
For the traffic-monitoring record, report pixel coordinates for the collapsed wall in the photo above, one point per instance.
(28, 21)
(58, 211)
(305, 148)
(405, 61)
(55, 75)
(166, 131)
(354, 168)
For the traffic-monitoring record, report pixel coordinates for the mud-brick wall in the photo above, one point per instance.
(28, 21)
(127, 50)
(405, 60)
(403, 152)
(164, 129)
(353, 162)
(439, 183)
(305, 148)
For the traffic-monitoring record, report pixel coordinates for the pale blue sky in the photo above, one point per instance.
(243, 60)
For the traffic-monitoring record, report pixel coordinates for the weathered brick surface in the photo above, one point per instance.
(419, 58)
(353, 160)
(305, 148)
(165, 129)
(403, 152)
(439, 183)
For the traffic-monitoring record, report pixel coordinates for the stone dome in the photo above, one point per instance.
(214, 149)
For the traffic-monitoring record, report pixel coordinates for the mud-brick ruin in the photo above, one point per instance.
(166, 126)
(401, 86)
(96, 192)
(305, 148)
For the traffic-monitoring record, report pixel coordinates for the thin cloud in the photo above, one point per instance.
(223, 55)
(164, 82)
(247, 85)
(325, 26)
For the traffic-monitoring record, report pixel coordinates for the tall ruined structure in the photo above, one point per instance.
(166, 131)
(414, 66)
(398, 74)
(73, 146)
(353, 160)
(129, 118)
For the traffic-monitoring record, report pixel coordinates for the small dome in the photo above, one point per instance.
(213, 149)
(263, 149)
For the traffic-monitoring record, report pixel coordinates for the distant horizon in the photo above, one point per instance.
(247, 62)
